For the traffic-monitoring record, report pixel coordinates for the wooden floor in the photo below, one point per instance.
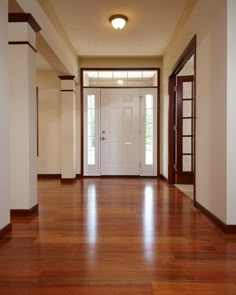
(117, 237)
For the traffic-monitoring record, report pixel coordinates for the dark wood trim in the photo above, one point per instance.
(119, 87)
(68, 77)
(37, 118)
(23, 43)
(25, 212)
(120, 69)
(226, 228)
(5, 230)
(49, 176)
(171, 130)
(189, 51)
(68, 90)
(158, 120)
(82, 120)
(24, 18)
(118, 176)
(163, 178)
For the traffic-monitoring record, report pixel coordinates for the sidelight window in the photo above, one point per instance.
(149, 114)
(91, 127)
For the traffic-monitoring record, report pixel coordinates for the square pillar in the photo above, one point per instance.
(22, 97)
(5, 225)
(68, 127)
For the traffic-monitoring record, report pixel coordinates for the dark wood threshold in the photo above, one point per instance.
(25, 212)
(228, 229)
(163, 178)
(5, 230)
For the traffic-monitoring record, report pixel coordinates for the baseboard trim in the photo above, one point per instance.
(25, 212)
(68, 180)
(53, 176)
(162, 177)
(5, 230)
(49, 176)
(228, 229)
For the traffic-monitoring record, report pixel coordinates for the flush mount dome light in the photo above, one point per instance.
(118, 21)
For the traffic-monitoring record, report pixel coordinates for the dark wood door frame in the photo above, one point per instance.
(183, 59)
(82, 107)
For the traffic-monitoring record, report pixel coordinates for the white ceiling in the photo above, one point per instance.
(148, 32)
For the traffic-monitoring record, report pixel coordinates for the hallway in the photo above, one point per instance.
(116, 236)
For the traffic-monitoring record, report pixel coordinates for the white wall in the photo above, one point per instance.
(49, 114)
(4, 128)
(207, 19)
(49, 159)
(231, 112)
(120, 62)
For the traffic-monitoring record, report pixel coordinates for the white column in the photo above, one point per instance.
(68, 127)
(22, 96)
(4, 128)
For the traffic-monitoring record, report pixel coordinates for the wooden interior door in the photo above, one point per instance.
(120, 125)
(185, 130)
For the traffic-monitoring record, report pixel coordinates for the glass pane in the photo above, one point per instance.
(149, 74)
(187, 126)
(91, 115)
(187, 163)
(187, 108)
(135, 75)
(91, 157)
(91, 101)
(149, 158)
(149, 101)
(187, 89)
(105, 75)
(120, 78)
(91, 129)
(120, 75)
(149, 129)
(91, 143)
(187, 145)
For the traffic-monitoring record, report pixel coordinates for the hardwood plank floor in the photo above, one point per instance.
(116, 236)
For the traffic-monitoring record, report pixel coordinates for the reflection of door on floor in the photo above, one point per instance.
(185, 152)
(120, 132)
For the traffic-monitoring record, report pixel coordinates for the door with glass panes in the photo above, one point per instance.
(120, 131)
(185, 129)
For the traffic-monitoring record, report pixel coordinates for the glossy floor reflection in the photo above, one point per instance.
(116, 236)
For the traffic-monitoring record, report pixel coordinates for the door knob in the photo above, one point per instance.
(103, 138)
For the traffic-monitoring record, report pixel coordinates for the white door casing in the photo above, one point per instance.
(123, 144)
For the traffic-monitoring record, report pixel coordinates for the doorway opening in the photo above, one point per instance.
(182, 122)
(120, 122)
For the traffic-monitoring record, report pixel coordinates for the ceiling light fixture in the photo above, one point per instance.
(118, 21)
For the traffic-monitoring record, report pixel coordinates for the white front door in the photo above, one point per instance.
(120, 129)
